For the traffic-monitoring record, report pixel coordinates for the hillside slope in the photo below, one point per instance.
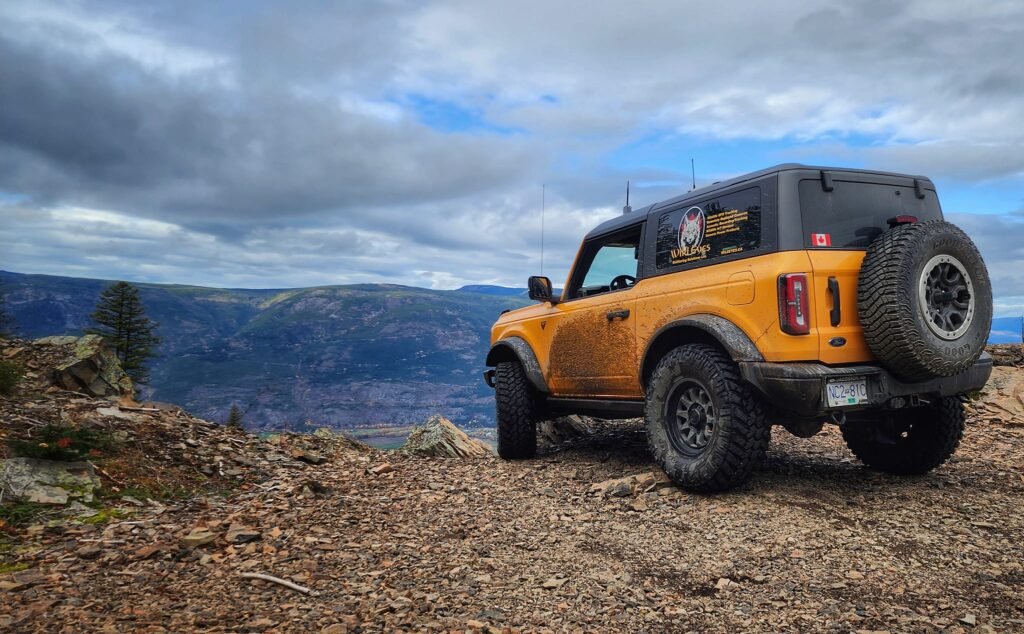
(343, 356)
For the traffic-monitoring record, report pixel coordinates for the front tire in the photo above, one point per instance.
(705, 426)
(910, 442)
(515, 403)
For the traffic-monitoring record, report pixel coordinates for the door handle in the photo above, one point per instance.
(837, 312)
(617, 314)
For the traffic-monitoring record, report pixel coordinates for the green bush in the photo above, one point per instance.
(62, 442)
(10, 376)
(17, 514)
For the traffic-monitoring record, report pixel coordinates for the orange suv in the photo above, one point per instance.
(795, 296)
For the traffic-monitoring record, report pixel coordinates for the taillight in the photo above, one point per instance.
(794, 307)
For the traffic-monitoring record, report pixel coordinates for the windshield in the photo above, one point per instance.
(855, 213)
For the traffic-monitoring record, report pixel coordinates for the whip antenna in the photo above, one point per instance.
(542, 206)
(627, 209)
(693, 174)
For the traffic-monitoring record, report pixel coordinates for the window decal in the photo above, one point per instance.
(722, 226)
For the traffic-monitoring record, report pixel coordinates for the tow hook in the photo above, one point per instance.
(838, 417)
(489, 378)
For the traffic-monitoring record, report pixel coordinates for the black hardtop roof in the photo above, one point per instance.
(625, 220)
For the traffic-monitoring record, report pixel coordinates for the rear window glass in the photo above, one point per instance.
(727, 225)
(853, 214)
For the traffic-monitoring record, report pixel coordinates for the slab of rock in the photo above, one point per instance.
(441, 438)
(91, 368)
(632, 484)
(1004, 395)
(48, 481)
(559, 430)
(307, 456)
(198, 537)
(238, 534)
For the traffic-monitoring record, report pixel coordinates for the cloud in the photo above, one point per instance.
(307, 143)
(999, 238)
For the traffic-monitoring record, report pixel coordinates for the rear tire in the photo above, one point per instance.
(515, 404)
(910, 442)
(705, 426)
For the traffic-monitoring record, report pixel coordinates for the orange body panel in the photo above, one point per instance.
(583, 351)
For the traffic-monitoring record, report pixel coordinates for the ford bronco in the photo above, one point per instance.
(793, 296)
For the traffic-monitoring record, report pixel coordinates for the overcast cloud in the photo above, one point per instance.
(293, 144)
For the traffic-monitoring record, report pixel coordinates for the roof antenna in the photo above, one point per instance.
(543, 187)
(693, 174)
(627, 209)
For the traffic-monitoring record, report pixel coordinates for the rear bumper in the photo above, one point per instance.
(800, 387)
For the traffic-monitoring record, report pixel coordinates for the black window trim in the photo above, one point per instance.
(600, 240)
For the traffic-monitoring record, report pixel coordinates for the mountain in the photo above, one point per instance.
(340, 356)
(500, 291)
(488, 289)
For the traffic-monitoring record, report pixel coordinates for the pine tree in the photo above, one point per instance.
(121, 320)
(7, 325)
(235, 417)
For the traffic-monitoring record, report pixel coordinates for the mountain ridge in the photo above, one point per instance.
(341, 356)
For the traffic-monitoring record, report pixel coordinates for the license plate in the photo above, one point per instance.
(846, 392)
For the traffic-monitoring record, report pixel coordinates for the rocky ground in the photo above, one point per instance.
(390, 541)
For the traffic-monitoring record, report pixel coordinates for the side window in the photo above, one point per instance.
(716, 228)
(609, 264)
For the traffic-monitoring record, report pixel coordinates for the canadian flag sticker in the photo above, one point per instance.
(821, 239)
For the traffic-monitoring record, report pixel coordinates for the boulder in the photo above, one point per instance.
(48, 481)
(91, 368)
(441, 438)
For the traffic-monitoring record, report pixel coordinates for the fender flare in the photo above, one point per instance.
(522, 350)
(732, 339)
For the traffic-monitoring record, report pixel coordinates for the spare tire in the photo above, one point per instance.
(925, 300)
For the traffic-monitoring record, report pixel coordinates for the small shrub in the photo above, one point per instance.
(63, 442)
(10, 376)
(16, 514)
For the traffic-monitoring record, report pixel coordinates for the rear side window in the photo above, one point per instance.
(855, 213)
(728, 225)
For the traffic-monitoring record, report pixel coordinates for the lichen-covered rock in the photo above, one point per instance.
(91, 367)
(440, 437)
(48, 481)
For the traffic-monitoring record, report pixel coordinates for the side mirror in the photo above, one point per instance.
(539, 288)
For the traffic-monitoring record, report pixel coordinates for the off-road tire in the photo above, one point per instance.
(908, 442)
(741, 431)
(893, 318)
(515, 404)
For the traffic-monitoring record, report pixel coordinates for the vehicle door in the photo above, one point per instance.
(593, 347)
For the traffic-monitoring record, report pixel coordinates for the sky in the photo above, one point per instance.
(263, 144)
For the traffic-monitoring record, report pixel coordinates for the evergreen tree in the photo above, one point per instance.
(7, 326)
(235, 417)
(121, 319)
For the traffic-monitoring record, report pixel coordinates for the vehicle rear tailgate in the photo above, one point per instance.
(833, 270)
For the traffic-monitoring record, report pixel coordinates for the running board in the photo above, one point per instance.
(596, 408)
